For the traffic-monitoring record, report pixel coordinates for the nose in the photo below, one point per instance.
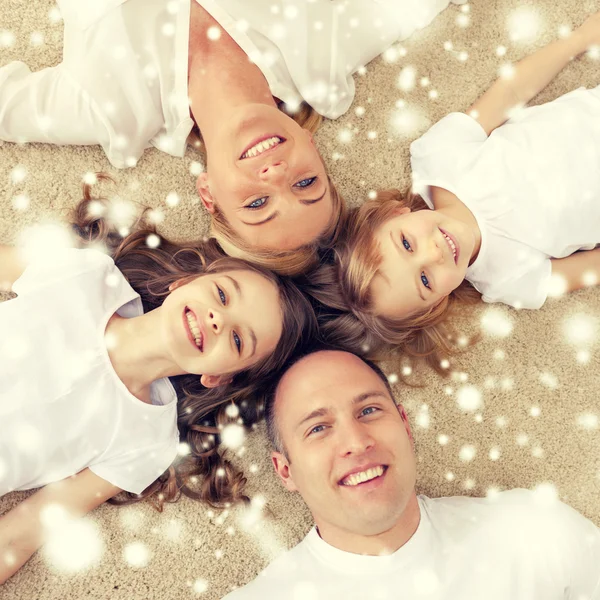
(355, 439)
(214, 321)
(274, 171)
(434, 252)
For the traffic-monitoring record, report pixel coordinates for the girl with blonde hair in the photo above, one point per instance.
(145, 72)
(502, 206)
(112, 365)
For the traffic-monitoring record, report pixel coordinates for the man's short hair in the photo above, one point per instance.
(270, 416)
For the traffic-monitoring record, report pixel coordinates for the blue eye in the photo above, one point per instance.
(316, 429)
(425, 281)
(222, 296)
(258, 203)
(406, 244)
(306, 182)
(237, 342)
(370, 409)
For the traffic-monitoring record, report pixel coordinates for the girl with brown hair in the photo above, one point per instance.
(112, 367)
(145, 72)
(502, 208)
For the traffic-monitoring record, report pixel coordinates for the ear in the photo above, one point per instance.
(404, 418)
(309, 135)
(282, 468)
(176, 284)
(401, 210)
(213, 381)
(204, 192)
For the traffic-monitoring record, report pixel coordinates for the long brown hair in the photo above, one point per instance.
(284, 262)
(202, 412)
(343, 290)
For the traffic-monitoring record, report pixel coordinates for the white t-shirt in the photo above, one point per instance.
(62, 406)
(533, 186)
(512, 547)
(123, 82)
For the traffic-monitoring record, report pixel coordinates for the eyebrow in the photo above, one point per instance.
(418, 287)
(276, 213)
(238, 289)
(321, 412)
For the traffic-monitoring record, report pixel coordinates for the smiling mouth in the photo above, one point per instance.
(261, 146)
(193, 330)
(452, 245)
(356, 479)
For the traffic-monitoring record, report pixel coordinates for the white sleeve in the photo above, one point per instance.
(444, 151)
(350, 35)
(45, 106)
(552, 543)
(46, 268)
(135, 470)
(529, 290)
(580, 552)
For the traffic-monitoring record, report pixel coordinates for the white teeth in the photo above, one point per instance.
(451, 243)
(363, 476)
(261, 147)
(194, 328)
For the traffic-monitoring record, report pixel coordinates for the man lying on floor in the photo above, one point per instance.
(342, 443)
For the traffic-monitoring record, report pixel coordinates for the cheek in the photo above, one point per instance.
(313, 472)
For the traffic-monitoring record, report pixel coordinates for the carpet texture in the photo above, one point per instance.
(535, 374)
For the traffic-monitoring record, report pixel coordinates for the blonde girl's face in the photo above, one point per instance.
(425, 255)
(221, 323)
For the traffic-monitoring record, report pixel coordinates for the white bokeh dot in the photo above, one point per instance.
(588, 420)
(469, 398)
(213, 33)
(153, 240)
(18, 174)
(137, 554)
(233, 436)
(494, 453)
(200, 586)
(497, 322)
(467, 453)
(172, 199)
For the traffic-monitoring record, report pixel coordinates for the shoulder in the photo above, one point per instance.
(535, 520)
(47, 265)
(453, 129)
(444, 153)
(282, 573)
(515, 514)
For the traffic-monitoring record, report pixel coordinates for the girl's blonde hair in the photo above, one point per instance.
(283, 262)
(205, 473)
(344, 288)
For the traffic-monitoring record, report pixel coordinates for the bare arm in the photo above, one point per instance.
(11, 266)
(22, 530)
(532, 74)
(578, 270)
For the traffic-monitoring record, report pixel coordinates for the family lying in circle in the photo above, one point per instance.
(279, 313)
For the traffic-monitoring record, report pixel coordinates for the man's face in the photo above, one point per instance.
(349, 448)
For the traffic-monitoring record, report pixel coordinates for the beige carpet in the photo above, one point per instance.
(536, 372)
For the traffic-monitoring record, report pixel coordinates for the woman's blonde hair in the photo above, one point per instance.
(345, 288)
(283, 262)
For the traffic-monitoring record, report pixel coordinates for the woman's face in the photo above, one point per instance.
(221, 323)
(267, 179)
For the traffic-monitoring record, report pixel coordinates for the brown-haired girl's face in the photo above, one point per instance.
(221, 323)
(266, 177)
(424, 257)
